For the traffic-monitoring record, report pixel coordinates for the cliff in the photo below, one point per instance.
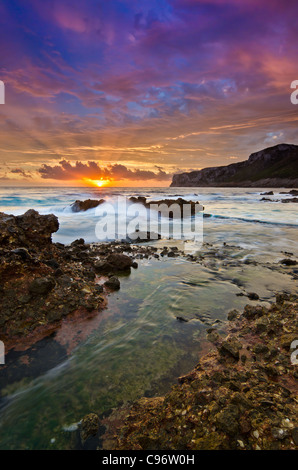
(272, 167)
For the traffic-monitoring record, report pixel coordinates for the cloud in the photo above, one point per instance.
(91, 170)
(20, 171)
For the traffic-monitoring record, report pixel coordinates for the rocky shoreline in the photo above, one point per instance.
(241, 395)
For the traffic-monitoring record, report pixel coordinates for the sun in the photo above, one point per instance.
(97, 183)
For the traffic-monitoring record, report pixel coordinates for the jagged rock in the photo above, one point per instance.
(231, 347)
(88, 427)
(115, 262)
(164, 204)
(27, 230)
(41, 285)
(82, 206)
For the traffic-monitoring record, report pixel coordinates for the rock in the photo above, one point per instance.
(181, 319)
(28, 230)
(268, 193)
(78, 242)
(252, 312)
(164, 204)
(279, 434)
(116, 262)
(41, 285)
(233, 314)
(23, 253)
(113, 283)
(295, 436)
(89, 427)
(52, 263)
(253, 296)
(231, 347)
(227, 420)
(288, 262)
(293, 199)
(83, 206)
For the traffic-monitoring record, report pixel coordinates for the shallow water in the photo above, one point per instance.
(137, 346)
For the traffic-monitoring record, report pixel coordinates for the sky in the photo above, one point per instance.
(127, 93)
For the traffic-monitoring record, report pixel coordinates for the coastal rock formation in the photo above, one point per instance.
(83, 206)
(42, 283)
(27, 230)
(241, 395)
(272, 167)
(194, 207)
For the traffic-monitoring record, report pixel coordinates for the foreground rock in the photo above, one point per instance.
(272, 167)
(44, 282)
(241, 395)
(27, 230)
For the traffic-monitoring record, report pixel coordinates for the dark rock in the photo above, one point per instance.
(52, 263)
(295, 436)
(27, 230)
(227, 420)
(288, 262)
(253, 296)
(233, 314)
(268, 193)
(116, 262)
(230, 347)
(23, 253)
(181, 319)
(113, 283)
(82, 206)
(42, 285)
(89, 427)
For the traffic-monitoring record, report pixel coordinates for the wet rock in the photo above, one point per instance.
(253, 296)
(83, 206)
(181, 319)
(252, 312)
(115, 262)
(268, 193)
(233, 314)
(288, 262)
(41, 286)
(227, 420)
(231, 347)
(88, 427)
(113, 283)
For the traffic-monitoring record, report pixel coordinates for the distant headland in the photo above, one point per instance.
(272, 167)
